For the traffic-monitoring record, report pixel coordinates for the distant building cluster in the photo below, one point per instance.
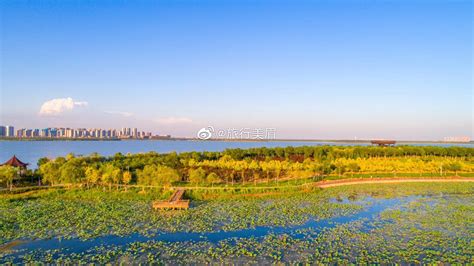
(7, 131)
(457, 139)
(74, 133)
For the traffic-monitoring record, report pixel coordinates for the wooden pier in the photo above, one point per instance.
(174, 203)
(383, 143)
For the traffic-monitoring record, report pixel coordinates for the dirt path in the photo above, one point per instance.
(320, 184)
(346, 182)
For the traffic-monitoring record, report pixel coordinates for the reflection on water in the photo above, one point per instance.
(9, 246)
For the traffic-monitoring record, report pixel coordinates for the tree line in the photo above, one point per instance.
(247, 165)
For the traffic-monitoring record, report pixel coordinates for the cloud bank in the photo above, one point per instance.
(59, 105)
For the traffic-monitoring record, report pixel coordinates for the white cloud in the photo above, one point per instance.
(59, 105)
(173, 120)
(124, 114)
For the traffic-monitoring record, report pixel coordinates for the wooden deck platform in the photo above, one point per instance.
(175, 202)
(383, 143)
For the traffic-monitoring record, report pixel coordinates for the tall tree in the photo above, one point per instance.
(7, 174)
(92, 176)
(197, 176)
(50, 172)
(72, 172)
(157, 175)
(213, 178)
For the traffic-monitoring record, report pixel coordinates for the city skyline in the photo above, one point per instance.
(66, 132)
(9, 131)
(314, 70)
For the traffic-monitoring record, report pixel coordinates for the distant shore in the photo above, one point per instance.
(231, 140)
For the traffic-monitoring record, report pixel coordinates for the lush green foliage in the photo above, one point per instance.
(256, 165)
(7, 174)
(197, 176)
(156, 175)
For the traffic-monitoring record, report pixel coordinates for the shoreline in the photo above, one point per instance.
(398, 142)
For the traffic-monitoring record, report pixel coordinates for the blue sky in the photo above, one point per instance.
(309, 69)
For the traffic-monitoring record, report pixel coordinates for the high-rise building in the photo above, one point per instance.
(10, 131)
(44, 132)
(54, 132)
(69, 133)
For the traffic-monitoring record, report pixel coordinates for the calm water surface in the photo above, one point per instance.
(31, 151)
(373, 207)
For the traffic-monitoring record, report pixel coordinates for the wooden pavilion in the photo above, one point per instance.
(15, 162)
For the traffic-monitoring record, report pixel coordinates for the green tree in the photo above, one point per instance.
(454, 167)
(255, 168)
(353, 167)
(110, 175)
(157, 175)
(213, 178)
(70, 156)
(42, 161)
(146, 175)
(197, 176)
(340, 168)
(7, 174)
(277, 168)
(126, 179)
(241, 166)
(72, 172)
(92, 176)
(50, 172)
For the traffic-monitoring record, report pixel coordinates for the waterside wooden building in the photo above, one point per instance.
(383, 142)
(15, 162)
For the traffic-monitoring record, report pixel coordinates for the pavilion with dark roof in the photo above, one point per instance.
(15, 162)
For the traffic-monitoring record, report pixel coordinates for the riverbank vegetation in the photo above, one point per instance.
(237, 166)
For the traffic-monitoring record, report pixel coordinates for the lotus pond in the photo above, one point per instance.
(403, 223)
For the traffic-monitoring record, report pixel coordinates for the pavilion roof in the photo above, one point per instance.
(15, 162)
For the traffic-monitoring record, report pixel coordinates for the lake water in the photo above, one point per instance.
(372, 208)
(388, 227)
(31, 151)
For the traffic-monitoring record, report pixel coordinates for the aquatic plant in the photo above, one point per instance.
(433, 223)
